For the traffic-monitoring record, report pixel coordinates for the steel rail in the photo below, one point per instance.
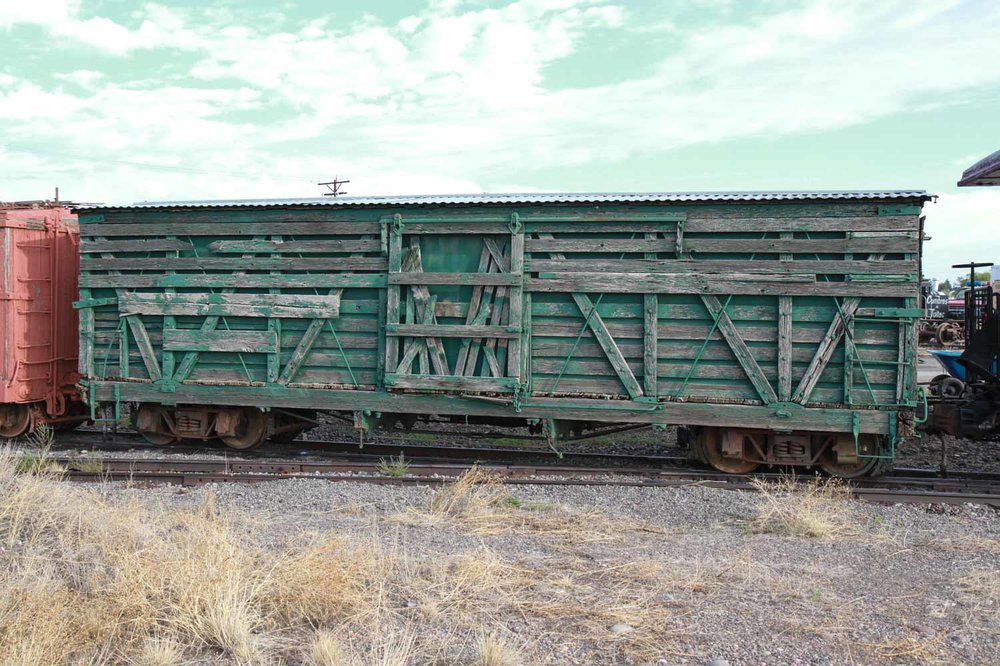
(195, 472)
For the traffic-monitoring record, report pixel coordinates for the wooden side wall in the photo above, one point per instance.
(748, 303)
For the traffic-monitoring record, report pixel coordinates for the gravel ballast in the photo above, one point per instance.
(905, 584)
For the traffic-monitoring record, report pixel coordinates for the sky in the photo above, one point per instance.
(117, 101)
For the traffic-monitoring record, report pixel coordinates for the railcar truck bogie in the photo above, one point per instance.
(778, 326)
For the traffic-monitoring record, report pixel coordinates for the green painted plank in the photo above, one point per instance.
(625, 283)
(298, 247)
(740, 350)
(254, 342)
(223, 281)
(224, 227)
(234, 305)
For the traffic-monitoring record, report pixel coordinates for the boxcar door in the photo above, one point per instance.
(454, 303)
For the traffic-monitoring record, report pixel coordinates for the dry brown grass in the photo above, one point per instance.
(493, 650)
(479, 502)
(326, 650)
(817, 509)
(89, 580)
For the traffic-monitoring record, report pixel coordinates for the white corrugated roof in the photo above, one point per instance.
(534, 198)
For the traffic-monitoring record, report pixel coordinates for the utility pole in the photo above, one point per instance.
(334, 187)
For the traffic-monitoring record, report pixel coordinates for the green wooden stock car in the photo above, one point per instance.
(778, 326)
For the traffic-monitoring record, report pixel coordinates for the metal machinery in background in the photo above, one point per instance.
(778, 327)
(968, 397)
(39, 245)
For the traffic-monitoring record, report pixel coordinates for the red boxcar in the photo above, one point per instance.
(38, 325)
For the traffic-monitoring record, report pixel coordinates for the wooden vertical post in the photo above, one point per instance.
(274, 326)
(651, 304)
(392, 293)
(785, 307)
(516, 312)
(169, 323)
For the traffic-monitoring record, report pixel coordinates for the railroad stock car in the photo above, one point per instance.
(38, 325)
(779, 327)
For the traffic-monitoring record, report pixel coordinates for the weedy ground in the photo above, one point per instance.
(468, 573)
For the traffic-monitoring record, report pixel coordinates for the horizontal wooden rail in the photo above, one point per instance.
(800, 246)
(142, 245)
(225, 228)
(234, 281)
(452, 331)
(452, 382)
(235, 305)
(329, 264)
(774, 267)
(484, 279)
(259, 342)
(297, 247)
(642, 283)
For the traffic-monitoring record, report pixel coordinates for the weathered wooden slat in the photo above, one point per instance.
(598, 245)
(254, 342)
(500, 257)
(810, 246)
(302, 350)
(331, 264)
(607, 342)
(450, 382)
(393, 294)
(141, 245)
(740, 350)
(785, 311)
(624, 283)
(144, 345)
(226, 228)
(650, 315)
(484, 279)
(621, 225)
(515, 308)
(230, 280)
(472, 311)
(801, 224)
(756, 267)
(600, 216)
(235, 305)
(451, 331)
(223, 216)
(88, 336)
(668, 332)
(489, 306)
(682, 351)
(601, 332)
(424, 306)
(825, 351)
(298, 247)
(421, 228)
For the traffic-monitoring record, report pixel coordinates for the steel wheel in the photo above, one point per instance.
(709, 440)
(868, 445)
(159, 438)
(149, 417)
(15, 420)
(252, 431)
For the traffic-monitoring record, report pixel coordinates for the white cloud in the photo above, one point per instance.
(963, 227)
(457, 97)
(85, 78)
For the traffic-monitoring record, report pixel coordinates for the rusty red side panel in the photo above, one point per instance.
(39, 249)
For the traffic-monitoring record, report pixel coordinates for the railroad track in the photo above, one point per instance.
(95, 441)
(199, 471)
